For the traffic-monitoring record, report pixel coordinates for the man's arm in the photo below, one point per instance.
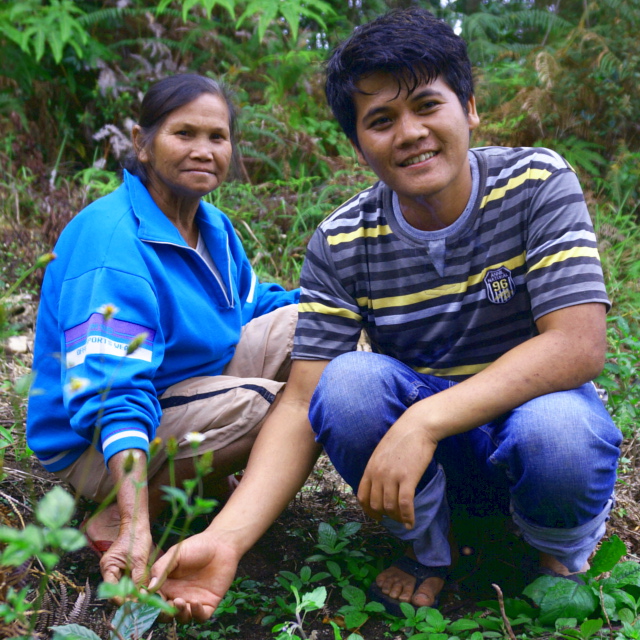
(569, 351)
(200, 569)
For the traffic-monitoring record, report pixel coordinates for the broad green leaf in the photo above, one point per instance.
(66, 539)
(355, 619)
(177, 494)
(354, 596)
(350, 529)
(327, 535)
(316, 577)
(289, 575)
(407, 610)
(121, 589)
(266, 18)
(55, 509)
(433, 618)
(589, 627)
(133, 619)
(162, 5)
(622, 598)
(564, 623)
(290, 11)
(374, 607)
(537, 589)
(626, 615)
(48, 559)
(314, 599)
(608, 555)
(567, 599)
(625, 573)
(492, 624)
(73, 632)
(462, 624)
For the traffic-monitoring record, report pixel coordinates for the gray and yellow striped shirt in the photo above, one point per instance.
(450, 302)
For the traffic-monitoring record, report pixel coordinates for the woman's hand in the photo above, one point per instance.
(194, 576)
(129, 554)
(130, 551)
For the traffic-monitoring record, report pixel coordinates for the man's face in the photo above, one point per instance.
(416, 142)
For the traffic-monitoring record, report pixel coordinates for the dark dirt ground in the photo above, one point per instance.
(494, 553)
(497, 555)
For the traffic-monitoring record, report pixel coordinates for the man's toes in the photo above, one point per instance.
(396, 586)
(427, 593)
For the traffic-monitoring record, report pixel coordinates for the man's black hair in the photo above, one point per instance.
(411, 44)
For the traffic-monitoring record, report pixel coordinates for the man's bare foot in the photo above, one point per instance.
(103, 528)
(399, 585)
(549, 562)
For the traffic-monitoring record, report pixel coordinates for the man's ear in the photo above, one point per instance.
(472, 114)
(136, 138)
(361, 159)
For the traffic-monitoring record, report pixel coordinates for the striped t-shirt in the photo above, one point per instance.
(452, 301)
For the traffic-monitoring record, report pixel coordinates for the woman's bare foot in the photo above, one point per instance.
(103, 528)
(397, 584)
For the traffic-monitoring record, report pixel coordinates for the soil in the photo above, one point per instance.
(490, 552)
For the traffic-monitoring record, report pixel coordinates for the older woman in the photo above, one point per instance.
(152, 324)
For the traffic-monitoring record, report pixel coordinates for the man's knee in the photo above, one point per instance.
(561, 455)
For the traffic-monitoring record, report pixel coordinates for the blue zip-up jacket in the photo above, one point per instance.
(123, 251)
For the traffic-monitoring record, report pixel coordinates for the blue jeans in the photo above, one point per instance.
(554, 457)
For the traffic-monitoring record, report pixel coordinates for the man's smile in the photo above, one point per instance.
(420, 158)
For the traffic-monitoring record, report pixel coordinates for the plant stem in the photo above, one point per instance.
(507, 624)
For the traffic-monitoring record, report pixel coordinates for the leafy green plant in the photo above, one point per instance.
(585, 631)
(619, 377)
(34, 26)
(45, 542)
(289, 579)
(131, 621)
(334, 543)
(558, 598)
(357, 611)
(311, 601)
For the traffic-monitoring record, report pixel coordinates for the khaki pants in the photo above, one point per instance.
(221, 408)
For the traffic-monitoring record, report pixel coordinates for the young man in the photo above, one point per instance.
(477, 278)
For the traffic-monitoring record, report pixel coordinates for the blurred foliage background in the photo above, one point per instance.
(558, 73)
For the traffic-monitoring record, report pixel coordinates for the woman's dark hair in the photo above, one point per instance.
(162, 99)
(411, 44)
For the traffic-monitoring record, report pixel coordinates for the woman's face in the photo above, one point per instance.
(191, 152)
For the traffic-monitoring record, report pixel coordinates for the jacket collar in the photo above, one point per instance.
(154, 225)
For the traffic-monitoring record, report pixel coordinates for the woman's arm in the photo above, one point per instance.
(130, 551)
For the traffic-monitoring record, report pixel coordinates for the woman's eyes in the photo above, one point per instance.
(187, 133)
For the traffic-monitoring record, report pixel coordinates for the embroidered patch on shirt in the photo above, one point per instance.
(500, 286)
(111, 338)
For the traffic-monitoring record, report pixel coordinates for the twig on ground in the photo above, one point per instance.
(507, 624)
